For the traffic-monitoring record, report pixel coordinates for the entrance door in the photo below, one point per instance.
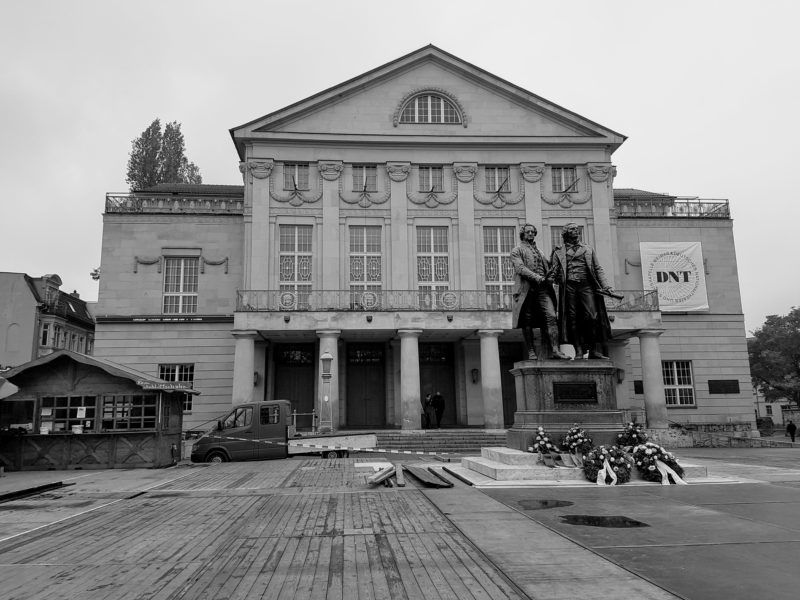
(509, 354)
(366, 385)
(294, 379)
(437, 373)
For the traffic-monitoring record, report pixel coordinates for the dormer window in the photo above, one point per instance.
(429, 108)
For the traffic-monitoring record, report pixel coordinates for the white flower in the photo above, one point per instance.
(648, 451)
(651, 468)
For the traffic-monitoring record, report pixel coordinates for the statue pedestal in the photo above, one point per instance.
(557, 394)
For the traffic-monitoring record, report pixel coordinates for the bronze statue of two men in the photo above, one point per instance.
(581, 318)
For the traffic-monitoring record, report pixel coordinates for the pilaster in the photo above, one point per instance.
(399, 249)
(601, 176)
(532, 174)
(467, 244)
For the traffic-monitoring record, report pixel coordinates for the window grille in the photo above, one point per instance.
(431, 179)
(180, 285)
(129, 411)
(429, 108)
(295, 175)
(498, 271)
(365, 178)
(564, 179)
(497, 179)
(433, 264)
(61, 413)
(179, 372)
(295, 262)
(366, 274)
(678, 386)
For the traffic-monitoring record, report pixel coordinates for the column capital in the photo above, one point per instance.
(330, 169)
(532, 172)
(465, 172)
(244, 334)
(329, 333)
(398, 171)
(409, 333)
(649, 333)
(490, 332)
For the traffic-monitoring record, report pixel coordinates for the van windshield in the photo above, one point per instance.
(241, 417)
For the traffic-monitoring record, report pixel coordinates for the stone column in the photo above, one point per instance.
(398, 253)
(467, 244)
(618, 355)
(243, 365)
(328, 386)
(652, 379)
(602, 177)
(532, 175)
(257, 173)
(410, 407)
(491, 386)
(330, 170)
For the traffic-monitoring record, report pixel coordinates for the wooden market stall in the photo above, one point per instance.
(74, 411)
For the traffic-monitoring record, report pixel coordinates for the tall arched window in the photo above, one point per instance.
(430, 108)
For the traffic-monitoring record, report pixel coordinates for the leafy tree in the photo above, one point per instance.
(159, 157)
(775, 356)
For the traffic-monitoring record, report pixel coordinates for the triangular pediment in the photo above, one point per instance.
(369, 106)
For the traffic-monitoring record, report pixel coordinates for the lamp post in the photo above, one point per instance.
(326, 424)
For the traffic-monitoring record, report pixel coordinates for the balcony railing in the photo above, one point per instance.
(410, 300)
(682, 207)
(166, 203)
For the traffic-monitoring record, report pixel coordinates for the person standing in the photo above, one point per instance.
(582, 317)
(791, 429)
(426, 411)
(533, 296)
(438, 406)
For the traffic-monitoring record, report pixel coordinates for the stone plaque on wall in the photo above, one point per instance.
(582, 392)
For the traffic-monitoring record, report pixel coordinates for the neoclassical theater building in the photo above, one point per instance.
(364, 262)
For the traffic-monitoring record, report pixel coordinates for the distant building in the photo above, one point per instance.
(37, 318)
(365, 260)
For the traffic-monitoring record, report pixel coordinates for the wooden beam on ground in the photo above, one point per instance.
(381, 475)
(401, 480)
(427, 478)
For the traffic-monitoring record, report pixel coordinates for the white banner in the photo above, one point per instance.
(677, 271)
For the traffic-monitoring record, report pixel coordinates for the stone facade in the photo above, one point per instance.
(371, 233)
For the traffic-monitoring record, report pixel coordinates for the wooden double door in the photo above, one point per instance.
(366, 385)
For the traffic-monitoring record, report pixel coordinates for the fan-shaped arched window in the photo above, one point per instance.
(430, 108)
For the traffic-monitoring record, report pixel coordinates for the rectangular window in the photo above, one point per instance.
(295, 265)
(60, 413)
(45, 334)
(366, 272)
(497, 179)
(365, 178)
(498, 272)
(433, 264)
(564, 179)
(678, 386)
(179, 372)
(295, 176)
(769, 409)
(555, 235)
(430, 179)
(129, 411)
(270, 415)
(180, 285)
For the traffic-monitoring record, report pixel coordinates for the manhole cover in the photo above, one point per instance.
(541, 504)
(602, 521)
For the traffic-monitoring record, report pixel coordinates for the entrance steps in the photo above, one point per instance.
(451, 441)
(500, 464)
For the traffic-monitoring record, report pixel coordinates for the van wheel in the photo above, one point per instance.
(216, 457)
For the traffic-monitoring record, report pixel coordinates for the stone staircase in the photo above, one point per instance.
(452, 441)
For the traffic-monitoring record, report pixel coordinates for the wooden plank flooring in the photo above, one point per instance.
(300, 528)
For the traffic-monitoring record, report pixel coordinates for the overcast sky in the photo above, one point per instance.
(707, 93)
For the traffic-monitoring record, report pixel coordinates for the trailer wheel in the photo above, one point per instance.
(216, 457)
(334, 453)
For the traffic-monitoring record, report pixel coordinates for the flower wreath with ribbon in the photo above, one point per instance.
(633, 435)
(608, 465)
(543, 443)
(657, 464)
(577, 441)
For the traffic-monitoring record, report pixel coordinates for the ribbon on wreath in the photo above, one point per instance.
(606, 471)
(666, 471)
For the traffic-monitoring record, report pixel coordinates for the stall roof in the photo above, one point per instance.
(143, 380)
